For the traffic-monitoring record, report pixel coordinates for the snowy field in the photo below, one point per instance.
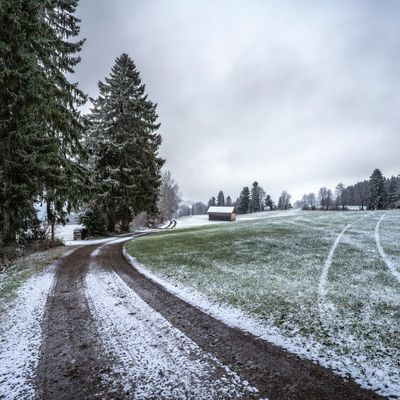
(201, 220)
(325, 285)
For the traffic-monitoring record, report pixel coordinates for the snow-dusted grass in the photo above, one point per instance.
(23, 294)
(153, 358)
(24, 288)
(23, 269)
(325, 306)
(271, 270)
(388, 260)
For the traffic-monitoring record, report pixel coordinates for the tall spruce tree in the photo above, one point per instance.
(220, 199)
(393, 191)
(244, 201)
(228, 201)
(124, 144)
(376, 191)
(257, 198)
(40, 127)
(254, 198)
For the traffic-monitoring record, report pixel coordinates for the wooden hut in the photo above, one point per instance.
(216, 213)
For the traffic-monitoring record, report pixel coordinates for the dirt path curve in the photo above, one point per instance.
(74, 364)
(275, 372)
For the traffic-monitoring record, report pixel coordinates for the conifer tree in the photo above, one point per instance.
(393, 191)
(212, 202)
(257, 198)
(40, 127)
(244, 201)
(94, 219)
(376, 191)
(220, 199)
(228, 201)
(124, 144)
(269, 203)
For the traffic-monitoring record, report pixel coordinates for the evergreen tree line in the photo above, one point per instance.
(50, 152)
(252, 200)
(377, 193)
(220, 201)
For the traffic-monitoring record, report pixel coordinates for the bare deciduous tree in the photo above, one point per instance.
(284, 201)
(169, 197)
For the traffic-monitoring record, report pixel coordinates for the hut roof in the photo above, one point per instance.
(221, 210)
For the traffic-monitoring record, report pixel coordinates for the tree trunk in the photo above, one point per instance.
(9, 228)
(111, 221)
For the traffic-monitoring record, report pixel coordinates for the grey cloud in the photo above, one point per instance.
(293, 94)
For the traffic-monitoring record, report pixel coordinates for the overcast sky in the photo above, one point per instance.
(293, 94)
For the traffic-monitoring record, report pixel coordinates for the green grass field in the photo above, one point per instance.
(272, 269)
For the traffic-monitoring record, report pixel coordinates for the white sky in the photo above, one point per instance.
(293, 94)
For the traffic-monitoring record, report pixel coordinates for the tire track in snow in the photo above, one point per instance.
(382, 253)
(155, 359)
(326, 307)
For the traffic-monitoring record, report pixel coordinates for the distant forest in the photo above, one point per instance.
(376, 193)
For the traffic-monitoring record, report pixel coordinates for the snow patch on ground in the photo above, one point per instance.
(66, 232)
(111, 239)
(269, 214)
(368, 376)
(87, 242)
(192, 221)
(127, 238)
(382, 253)
(21, 337)
(155, 359)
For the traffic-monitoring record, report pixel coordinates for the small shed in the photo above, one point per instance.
(216, 213)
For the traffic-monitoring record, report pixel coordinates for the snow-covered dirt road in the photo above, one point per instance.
(153, 358)
(106, 331)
